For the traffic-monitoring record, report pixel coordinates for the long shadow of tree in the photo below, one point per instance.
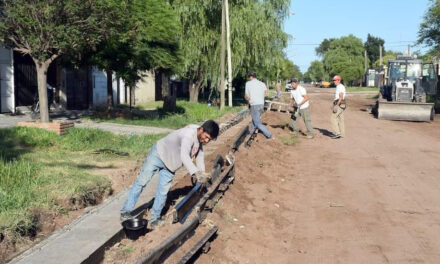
(13, 144)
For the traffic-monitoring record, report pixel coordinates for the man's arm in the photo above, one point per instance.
(341, 95)
(200, 160)
(185, 152)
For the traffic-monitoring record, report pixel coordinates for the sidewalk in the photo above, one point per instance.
(80, 241)
(7, 120)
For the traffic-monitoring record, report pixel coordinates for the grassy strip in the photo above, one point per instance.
(362, 89)
(40, 171)
(187, 113)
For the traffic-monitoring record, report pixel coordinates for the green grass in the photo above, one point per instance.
(289, 141)
(42, 171)
(187, 113)
(362, 89)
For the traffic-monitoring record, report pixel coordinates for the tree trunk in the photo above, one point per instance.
(168, 94)
(194, 89)
(132, 95)
(42, 89)
(109, 89)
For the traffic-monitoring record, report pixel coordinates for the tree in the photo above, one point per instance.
(145, 40)
(323, 47)
(47, 29)
(372, 46)
(316, 71)
(257, 39)
(289, 70)
(388, 55)
(345, 57)
(429, 30)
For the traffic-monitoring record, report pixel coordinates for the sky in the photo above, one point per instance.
(395, 21)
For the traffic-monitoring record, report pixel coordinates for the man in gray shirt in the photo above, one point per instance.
(165, 157)
(254, 93)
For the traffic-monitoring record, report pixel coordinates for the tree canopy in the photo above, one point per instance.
(372, 47)
(316, 72)
(47, 29)
(323, 47)
(257, 38)
(145, 39)
(429, 30)
(345, 57)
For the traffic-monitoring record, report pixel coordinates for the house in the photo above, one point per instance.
(73, 89)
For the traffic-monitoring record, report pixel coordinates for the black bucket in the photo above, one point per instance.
(134, 228)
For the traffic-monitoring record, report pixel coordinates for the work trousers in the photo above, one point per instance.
(337, 120)
(305, 115)
(256, 121)
(151, 165)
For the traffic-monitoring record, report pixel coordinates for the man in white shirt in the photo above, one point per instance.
(337, 117)
(178, 148)
(255, 91)
(300, 99)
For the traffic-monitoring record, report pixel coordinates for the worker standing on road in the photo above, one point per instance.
(255, 91)
(278, 90)
(337, 117)
(300, 99)
(165, 157)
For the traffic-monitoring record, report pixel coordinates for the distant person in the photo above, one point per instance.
(278, 90)
(300, 99)
(337, 117)
(255, 91)
(166, 156)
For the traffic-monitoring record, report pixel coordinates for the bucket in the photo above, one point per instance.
(134, 228)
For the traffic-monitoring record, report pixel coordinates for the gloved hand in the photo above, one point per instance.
(335, 109)
(201, 177)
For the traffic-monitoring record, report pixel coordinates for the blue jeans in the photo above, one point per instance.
(256, 121)
(151, 165)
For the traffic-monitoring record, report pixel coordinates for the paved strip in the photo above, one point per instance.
(79, 240)
(121, 129)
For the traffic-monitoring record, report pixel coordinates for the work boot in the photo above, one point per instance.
(310, 136)
(156, 223)
(125, 216)
(336, 136)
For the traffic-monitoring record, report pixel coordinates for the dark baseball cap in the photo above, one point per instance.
(253, 74)
(294, 80)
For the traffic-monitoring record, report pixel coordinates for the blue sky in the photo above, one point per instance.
(395, 21)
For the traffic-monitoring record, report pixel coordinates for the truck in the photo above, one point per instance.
(408, 81)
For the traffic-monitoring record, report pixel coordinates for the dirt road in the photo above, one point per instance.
(372, 197)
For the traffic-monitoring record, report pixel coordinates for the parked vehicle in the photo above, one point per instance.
(324, 84)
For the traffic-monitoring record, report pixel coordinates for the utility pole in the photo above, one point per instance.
(365, 60)
(380, 56)
(228, 44)
(409, 50)
(222, 60)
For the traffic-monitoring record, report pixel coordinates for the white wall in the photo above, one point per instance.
(7, 93)
(145, 88)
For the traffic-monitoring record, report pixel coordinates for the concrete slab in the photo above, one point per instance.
(79, 241)
(122, 129)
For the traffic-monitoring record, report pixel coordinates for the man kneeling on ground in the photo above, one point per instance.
(165, 157)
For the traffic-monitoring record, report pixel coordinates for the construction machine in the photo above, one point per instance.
(403, 97)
